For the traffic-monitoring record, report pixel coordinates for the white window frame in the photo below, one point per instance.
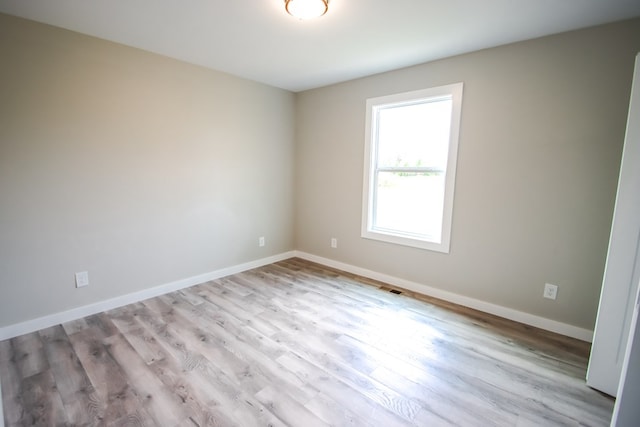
(454, 91)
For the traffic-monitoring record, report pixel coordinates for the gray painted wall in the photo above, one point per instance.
(140, 169)
(540, 143)
(144, 170)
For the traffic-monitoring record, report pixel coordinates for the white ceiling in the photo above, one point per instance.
(257, 40)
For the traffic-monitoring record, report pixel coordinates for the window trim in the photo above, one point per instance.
(368, 195)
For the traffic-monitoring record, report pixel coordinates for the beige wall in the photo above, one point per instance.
(140, 169)
(540, 144)
(144, 170)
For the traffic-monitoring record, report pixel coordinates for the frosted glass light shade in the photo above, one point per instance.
(306, 9)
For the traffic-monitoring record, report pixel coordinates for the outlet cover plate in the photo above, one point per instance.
(82, 279)
(550, 291)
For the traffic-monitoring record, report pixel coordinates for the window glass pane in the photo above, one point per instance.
(410, 203)
(414, 135)
(411, 146)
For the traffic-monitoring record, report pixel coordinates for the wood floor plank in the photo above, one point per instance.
(42, 404)
(13, 404)
(140, 339)
(193, 391)
(116, 398)
(297, 343)
(28, 355)
(332, 386)
(348, 374)
(164, 406)
(443, 404)
(72, 383)
(287, 409)
(251, 348)
(227, 302)
(75, 326)
(193, 356)
(103, 323)
(336, 414)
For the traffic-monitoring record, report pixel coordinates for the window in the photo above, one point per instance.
(411, 148)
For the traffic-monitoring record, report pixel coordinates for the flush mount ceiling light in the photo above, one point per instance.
(306, 9)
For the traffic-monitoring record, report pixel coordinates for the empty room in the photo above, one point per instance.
(319, 213)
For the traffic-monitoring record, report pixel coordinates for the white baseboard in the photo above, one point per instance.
(498, 310)
(88, 310)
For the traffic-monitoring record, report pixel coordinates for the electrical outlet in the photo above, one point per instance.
(550, 291)
(334, 242)
(82, 279)
(261, 241)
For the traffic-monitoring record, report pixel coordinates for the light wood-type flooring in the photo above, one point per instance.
(296, 344)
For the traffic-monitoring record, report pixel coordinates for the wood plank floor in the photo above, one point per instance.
(296, 344)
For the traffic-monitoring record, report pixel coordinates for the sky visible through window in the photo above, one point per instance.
(415, 135)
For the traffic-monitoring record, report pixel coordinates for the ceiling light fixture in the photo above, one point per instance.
(306, 9)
